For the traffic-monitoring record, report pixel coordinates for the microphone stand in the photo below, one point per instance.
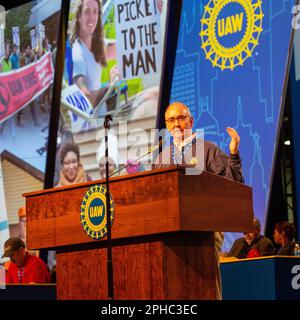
(110, 278)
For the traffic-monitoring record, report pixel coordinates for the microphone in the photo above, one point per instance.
(150, 150)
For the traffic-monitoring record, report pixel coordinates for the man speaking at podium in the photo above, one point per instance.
(179, 122)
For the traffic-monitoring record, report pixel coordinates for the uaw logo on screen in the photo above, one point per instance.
(93, 212)
(230, 31)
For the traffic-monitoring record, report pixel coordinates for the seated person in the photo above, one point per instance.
(24, 267)
(284, 234)
(252, 245)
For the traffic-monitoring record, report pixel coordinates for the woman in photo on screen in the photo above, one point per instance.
(89, 50)
(71, 169)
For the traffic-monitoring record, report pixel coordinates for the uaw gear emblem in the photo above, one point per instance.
(230, 31)
(93, 212)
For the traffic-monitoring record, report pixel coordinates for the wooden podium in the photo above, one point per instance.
(163, 239)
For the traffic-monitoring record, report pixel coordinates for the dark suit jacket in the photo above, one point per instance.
(240, 247)
(209, 158)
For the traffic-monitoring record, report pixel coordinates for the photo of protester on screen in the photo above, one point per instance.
(113, 65)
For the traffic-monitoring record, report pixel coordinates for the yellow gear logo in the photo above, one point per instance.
(230, 30)
(93, 212)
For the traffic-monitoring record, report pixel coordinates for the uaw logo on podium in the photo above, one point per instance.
(93, 212)
(230, 31)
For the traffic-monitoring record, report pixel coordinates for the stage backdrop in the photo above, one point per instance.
(230, 69)
(295, 89)
(133, 37)
(24, 120)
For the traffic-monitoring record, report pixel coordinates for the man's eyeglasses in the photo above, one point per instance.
(179, 119)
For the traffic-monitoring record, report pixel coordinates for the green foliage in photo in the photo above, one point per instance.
(18, 17)
(135, 86)
(109, 26)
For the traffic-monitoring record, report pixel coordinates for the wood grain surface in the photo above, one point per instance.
(148, 203)
(178, 266)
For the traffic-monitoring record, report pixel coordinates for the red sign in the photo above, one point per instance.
(19, 87)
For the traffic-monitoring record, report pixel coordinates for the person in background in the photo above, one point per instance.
(22, 231)
(6, 63)
(39, 52)
(15, 64)
(102, 168)
(89, 50)
(6, 67)
(68, 69)
(28, 55)
(47, 45)
(284, 234)
(14, 58)
(24, 267)
(71, 169)
(28, 58)
(252, 245)
(133, 167)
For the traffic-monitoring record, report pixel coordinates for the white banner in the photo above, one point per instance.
(138, 38)
(2, 18)
(16, 36)
(40, 31)
(33, 39)
(82, 108)
(2, 43)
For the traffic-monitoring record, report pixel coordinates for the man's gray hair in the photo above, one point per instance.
(182, 104)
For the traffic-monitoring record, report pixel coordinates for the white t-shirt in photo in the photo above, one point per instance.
(84, 64)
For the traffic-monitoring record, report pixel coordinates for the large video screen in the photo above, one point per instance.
(28, 39)
(113, 66)
(230, 69)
